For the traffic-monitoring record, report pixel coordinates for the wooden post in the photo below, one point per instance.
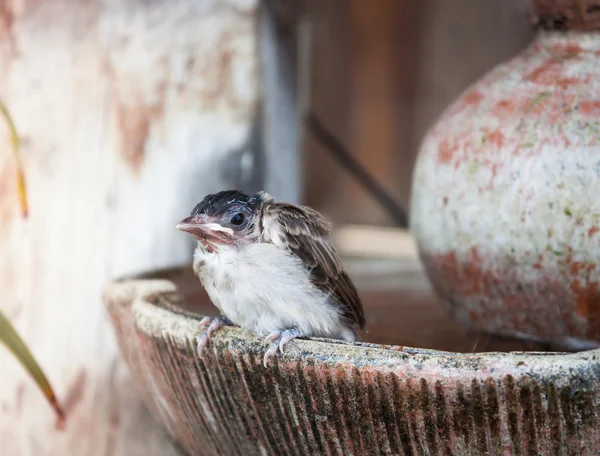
(130, 112)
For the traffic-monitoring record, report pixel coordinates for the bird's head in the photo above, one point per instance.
(226, 218)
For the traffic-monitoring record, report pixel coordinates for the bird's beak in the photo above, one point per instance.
(201, 229)
(193, 225)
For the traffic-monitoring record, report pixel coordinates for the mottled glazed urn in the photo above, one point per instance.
(506, 195)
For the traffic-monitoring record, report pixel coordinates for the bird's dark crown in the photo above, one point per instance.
(218, 203)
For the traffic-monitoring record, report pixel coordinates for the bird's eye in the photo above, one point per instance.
(237, 219)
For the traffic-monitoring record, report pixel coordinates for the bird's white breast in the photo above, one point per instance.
(265, 289)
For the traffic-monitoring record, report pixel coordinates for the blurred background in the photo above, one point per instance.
(130, 112)
(380, 74)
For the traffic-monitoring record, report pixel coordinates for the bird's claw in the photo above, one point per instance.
(213, 324)
(272, 337)
(278, 340)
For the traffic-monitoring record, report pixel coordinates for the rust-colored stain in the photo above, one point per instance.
(593, 230)
(468, 274)
(550, 74)
(546, 73)
(75, 392)
(565, 50)
(576, 267)
(494, 294)
(134, 124)
(7, 17)
(495, 137)
(565, 83)
(7, 26)
(135, 116)
(590, 107)
(587, 297)
(450, 149)
(468, 279)
(494, 167)
(446, 151)
(473, 98)
(504, 108)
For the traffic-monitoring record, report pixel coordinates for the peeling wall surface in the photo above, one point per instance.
(130, 112)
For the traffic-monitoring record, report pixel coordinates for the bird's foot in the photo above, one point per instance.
(278, 340)
(213, 324)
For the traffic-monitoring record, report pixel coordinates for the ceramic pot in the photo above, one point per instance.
(506, 196)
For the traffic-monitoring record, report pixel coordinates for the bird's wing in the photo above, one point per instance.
(303, 232)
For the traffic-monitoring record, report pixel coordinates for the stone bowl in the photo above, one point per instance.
(330, 397)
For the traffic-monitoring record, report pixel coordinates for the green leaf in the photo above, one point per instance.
(12, 340)
(16, 147)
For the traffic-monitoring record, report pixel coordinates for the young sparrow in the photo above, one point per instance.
(270, 267)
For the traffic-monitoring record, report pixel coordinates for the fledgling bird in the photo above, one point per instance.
(270, 267)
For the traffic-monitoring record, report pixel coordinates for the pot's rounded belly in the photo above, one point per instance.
(506, 197)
